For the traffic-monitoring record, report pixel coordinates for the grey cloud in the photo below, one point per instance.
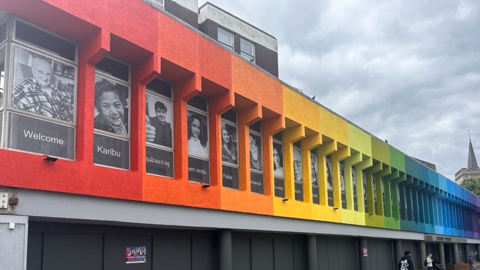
(406, 71)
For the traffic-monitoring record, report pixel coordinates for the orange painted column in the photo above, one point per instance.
(290, 135)
(246, 117)
(217, 105)
(270, 127)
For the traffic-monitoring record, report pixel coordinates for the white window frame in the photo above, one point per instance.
(247, 55)
(230, 46)
(158, 3)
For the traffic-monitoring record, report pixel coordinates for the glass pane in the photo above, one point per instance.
(229, 144)
(199, 102)
(246, 46)
(297, 164)
(45, 40)
(160, 87)
(159, 121)
(256, 152)
(197, 135)
(114, 68)
(111, 106)
(43, 86)
(278, 171)
(225, 36)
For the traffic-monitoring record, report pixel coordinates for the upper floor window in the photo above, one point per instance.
(198, 145)
(40, 86)
(247, 50)
(226, 37)
(229, 149)
(112, 114)
(159, 3)
(159, 128)
(278, 172)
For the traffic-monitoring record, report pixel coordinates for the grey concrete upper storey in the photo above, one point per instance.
(211, 12)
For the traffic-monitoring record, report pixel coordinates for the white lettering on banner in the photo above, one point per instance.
(40, 137)
(190, 169)
(201, 171)
(110, 151)
(158, 161)
(227, 176)
(256, 183)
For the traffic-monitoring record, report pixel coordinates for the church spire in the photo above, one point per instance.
(472, 160)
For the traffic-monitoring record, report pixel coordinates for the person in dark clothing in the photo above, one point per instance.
(437, 265)
(406, 262)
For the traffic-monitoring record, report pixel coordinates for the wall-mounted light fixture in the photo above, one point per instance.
(205, 185)
(50, 159)
(284, 200)
(335, 208)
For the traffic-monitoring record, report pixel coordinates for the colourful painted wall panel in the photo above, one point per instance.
(309, 115)
(359, 140)
(380, 151)
(257, 86)
(397, 159)
(333, 126)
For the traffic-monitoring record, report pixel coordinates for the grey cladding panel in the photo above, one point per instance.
(262, 254)
(284, 255)
(412, 246)
(337, 253)
(74, 251)
(204, 254)
(173, 253)
(380, 254)
(35, 251)
(300, 253)
(241, 254)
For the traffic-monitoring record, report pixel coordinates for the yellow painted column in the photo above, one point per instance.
(338, 156)
(323, 151)
(378, 176)
(370, 196)
(366, 163)
(308, 144)
(349, 162)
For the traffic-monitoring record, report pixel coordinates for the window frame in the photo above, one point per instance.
(158, 146)
(206, 114)
(249, 57)
(229, 46)
(105, 75)
(10, 44)
(226, 163)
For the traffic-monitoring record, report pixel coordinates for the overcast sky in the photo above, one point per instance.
(407, 71)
